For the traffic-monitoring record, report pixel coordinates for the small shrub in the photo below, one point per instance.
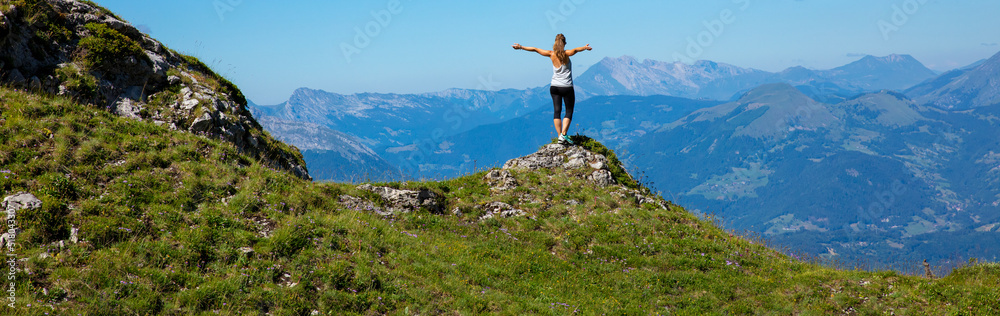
(82, 83)
(48, 223)
(59, 186)
(105, 48)
(48, 23)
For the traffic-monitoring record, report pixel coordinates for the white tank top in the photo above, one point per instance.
(562, 76)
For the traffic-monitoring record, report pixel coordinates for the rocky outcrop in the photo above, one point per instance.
(83, 51)
(500, 180)
(594, 166)
(404, 201)
(500, 210)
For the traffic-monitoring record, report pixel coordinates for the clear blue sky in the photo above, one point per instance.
(270, 48)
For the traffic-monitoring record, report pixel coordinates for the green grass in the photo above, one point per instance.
(163, 216)
(79, 81)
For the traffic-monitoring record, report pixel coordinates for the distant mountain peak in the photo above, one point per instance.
(622, 58)
(305, 90)
(962, 89)
(625, 75)
(771, 111)
(891, 58)
(896, 71)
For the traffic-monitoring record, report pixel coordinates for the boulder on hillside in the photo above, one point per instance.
(554, 156)
(500, 180)
(20, 201)
(404, 201)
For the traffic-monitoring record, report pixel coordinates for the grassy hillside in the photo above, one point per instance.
(174, 223)
(82, 50)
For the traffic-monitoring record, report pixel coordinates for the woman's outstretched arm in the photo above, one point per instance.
(578, 49)
(542, 52)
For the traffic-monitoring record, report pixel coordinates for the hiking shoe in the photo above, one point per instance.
(566, 138)
(561, 140)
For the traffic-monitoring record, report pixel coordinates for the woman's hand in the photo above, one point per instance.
(578, 49)
(532, 49)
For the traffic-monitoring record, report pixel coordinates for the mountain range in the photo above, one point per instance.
(719, 81)
(395, 125)
(753, 157)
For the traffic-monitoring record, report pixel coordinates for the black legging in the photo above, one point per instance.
(558, 95)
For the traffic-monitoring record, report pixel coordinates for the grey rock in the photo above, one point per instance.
(134, 93)
(160, 65)
(403, 201)
(574, 163)
(189, 104)
(190, 77)
(11, 206)
(600, 163)
(203, 123)
(127, 108)
(500, 180)
(602, 178)
(173, 80)
(500, 210)
(35, 84)
(549, 157)
(74, 235)
(20, 201)
(15, 77)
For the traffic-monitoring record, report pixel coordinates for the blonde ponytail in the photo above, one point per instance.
(560, 49)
